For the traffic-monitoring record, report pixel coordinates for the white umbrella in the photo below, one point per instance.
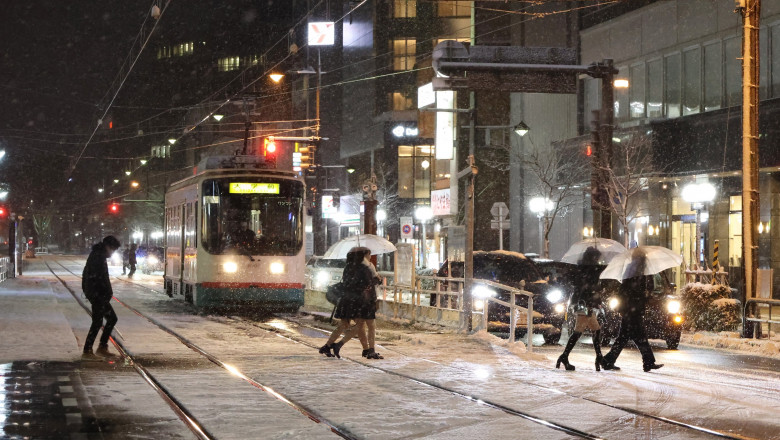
(608, 248)
(375, 243)
(641, 260)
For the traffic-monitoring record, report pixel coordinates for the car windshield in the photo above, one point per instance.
(253, 217)
(505, 269)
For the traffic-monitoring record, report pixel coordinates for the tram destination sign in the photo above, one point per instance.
(253, 188)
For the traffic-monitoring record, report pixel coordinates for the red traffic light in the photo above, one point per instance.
(2, 211)
(588, 150)
(113, 208)
(269, 146)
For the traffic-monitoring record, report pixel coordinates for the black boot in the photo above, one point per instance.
(337, 348)
(373, 354)
(365, 352)
(597, 348)
(325, 349)
(651, 367)
(564, 358)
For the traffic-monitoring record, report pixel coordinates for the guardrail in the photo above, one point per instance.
(5, 266)
(449, 292)
(749, 316)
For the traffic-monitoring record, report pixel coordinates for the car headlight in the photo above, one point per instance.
(559, 308)
(152, 260)
(322, 278)
(481, 291)
(613, 303)
(230, 267)
(479, 304)
(554, 295)
(673, 306)
(116, 258)
(276, 268)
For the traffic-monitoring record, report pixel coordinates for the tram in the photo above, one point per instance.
(234, 235)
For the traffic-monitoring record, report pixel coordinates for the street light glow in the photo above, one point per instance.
(620, 83)
(276, 77)
(423, 213)
(521, 129)
(538, 205)
(218, 117)
(381, 215)
(698, 192)
(171, 141)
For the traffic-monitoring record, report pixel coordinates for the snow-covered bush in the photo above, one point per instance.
(710, 307)
(427, 284)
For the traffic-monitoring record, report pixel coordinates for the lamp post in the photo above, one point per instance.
(539, 206)
(424, 213)
(697, 194)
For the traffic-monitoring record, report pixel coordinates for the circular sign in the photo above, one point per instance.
(407, 229)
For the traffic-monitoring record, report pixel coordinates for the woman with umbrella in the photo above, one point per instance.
(586, 303)
(358, 303)
(636, 286)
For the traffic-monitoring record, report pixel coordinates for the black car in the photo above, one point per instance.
(510, 268)
(663, 316)
(150, 259)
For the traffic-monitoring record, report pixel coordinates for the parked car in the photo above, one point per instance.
(150, 259)
(510, 268)
(321, 273)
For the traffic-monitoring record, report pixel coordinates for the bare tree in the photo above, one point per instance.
(553, 173)
(626, 177)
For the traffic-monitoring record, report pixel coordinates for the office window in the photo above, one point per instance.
(453, 8)
(183, 49)
(774, 60)
(404, 51)
(713, 76)
(636, 91)
(400, 101)
(415, 167)
(404, 8)
(230, 63)
(655, 90)
(733, 54)
(672, 85)
(621, 96)
(692, 81)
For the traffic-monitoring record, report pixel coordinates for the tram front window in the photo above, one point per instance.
(252, 217)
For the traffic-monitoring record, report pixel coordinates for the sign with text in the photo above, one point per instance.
(254, 188)
(440, 202)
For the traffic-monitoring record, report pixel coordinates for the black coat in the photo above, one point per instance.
(359, 300)
(588, 289)
(94, 280)
(634, 292)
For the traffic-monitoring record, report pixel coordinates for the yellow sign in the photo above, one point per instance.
(253, 188)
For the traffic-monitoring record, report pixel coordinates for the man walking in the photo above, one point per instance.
(97, 288)
(131, 260)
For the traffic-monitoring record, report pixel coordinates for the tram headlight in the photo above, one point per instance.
(673, 306)
(322, 278)
(276, 268)
(230, 267)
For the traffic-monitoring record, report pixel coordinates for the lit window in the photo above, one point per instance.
(230, 63)
(404, 8)
(404, 52)
(453, 8)
(416, 165)
(400, 101)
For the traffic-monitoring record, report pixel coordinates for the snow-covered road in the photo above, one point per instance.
(430, 384)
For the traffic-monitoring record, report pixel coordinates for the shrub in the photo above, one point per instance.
(427, 284)
(710, 307)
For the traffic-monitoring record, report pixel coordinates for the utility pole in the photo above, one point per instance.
(750, 12)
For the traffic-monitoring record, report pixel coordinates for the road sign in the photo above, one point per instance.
(499, 210)
(407, 227)
(499, 224)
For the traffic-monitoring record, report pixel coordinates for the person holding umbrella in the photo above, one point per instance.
(635, 288)
(586, 303)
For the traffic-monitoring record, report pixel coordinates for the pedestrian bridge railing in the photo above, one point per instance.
(438, 300)
(752, 314)
(5, 268)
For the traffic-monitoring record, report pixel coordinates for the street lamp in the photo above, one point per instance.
(521, 129)
(381, 216)
(424, 213)
(276, 77)
(217, 117)
(539, 206)
(697, 194)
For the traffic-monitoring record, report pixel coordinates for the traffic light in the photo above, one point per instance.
(588, 150)
(3, 212)
(113, 208)
(307, 156)
(269, 150)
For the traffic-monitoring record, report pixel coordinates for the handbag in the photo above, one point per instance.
(334, 293)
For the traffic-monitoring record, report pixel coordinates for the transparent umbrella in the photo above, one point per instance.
(375, 243)
(608, 248)
(641, 260)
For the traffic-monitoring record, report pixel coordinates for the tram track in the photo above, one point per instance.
(495, 405)
(185, 415)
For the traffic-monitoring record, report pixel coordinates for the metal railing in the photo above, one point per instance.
(749, 314)
(449, 292)
(5, 267)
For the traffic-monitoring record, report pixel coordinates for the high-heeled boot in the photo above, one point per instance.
(337, 348)
(564, 358)
(597, 348)
(325, 349)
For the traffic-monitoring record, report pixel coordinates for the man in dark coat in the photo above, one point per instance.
(97, 289)
(634, 292)
(131, 260)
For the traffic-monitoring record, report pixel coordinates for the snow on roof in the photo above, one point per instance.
(509, 253)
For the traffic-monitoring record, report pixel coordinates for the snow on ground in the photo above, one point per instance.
(381, 403)
(733, 341)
